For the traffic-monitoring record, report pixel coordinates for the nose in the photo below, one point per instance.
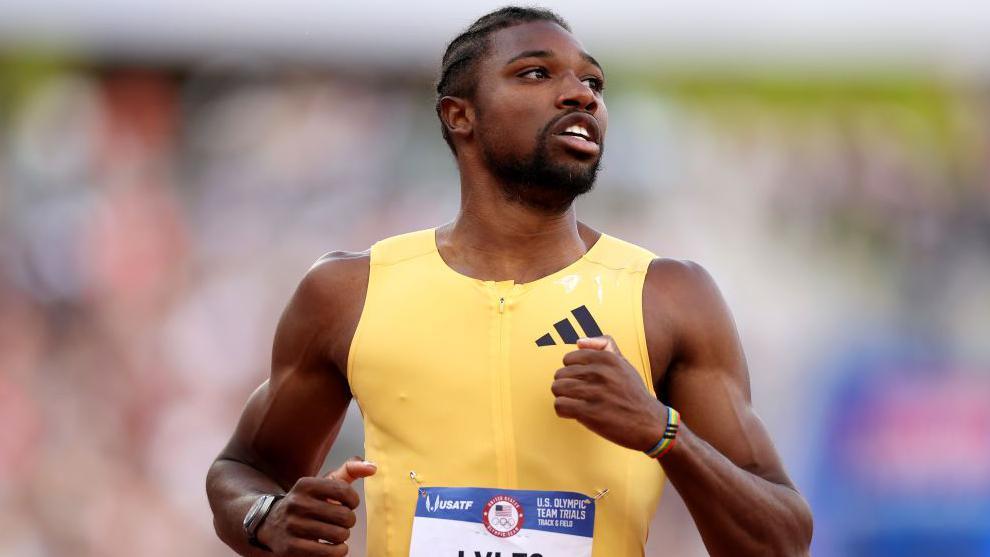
(576, 94)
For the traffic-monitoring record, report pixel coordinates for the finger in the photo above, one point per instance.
(578, 371)
(329, 512)
(567, 407)
(309, 548)
(586, 356)
(354, 468)
(332, 489)
(317, 530)
(565, 387)
(603, 342)
(572, 388)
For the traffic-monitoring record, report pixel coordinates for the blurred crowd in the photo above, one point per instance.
(154, 221)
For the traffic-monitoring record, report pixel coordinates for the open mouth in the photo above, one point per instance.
(579, 133)
(577, 130)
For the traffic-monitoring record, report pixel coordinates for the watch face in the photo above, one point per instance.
(251, 519)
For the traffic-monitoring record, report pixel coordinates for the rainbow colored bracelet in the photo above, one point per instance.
(669, 435)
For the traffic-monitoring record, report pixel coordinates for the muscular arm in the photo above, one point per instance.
(291, 420)
(724, 464)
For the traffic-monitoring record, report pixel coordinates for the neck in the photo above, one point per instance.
(494, 238)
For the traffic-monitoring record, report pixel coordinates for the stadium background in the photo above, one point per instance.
(169, 171)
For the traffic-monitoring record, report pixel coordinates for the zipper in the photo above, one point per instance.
(502, 398)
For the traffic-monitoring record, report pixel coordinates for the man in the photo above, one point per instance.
(495, 427)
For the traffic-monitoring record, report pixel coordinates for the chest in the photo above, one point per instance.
(431, 348)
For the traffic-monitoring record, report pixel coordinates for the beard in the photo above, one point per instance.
(537, 181)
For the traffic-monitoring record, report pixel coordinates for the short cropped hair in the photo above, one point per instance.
(459, 65)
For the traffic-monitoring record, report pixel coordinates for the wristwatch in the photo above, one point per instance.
(256, 516)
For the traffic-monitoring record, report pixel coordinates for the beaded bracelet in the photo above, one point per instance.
(669, 435)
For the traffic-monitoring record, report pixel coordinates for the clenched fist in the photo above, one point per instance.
(316, 516)
(603, 391)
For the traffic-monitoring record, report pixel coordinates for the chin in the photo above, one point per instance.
(547, 178)
(553, 188)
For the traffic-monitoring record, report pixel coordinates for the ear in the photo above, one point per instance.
(457, 115)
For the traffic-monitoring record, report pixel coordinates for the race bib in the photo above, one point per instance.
(484, 522)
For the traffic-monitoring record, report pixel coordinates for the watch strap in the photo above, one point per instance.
(256, 516)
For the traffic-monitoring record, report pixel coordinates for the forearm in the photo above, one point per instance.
(737, 513)
(232, 488)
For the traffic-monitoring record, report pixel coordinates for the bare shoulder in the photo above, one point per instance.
(685, 317)
(685, 292)
(336, 285)
(329, 300)
(337, 270)
(681, 278)
(334, 281)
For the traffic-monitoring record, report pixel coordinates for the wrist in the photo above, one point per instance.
(668, 435)
(263, 535)
(647, 434)
(256, 520)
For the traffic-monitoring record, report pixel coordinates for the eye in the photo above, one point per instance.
(535, 73)
(594, 84)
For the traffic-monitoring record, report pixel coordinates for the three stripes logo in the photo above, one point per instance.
(566, 330)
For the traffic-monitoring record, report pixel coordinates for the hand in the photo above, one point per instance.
(316, 516)
(603, 391)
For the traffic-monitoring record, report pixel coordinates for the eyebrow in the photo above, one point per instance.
(549, 54)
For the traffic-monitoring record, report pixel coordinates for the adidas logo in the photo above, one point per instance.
(566, 330)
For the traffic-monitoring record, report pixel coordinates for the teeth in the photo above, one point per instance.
(579, 130)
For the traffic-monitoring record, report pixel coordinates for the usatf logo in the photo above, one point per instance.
(566, 330)
(503, 516)
(440, 504)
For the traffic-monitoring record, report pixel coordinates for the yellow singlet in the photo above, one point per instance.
(453, 374)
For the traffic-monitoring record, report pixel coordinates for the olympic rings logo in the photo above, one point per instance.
(502, 521)
(503, 516)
